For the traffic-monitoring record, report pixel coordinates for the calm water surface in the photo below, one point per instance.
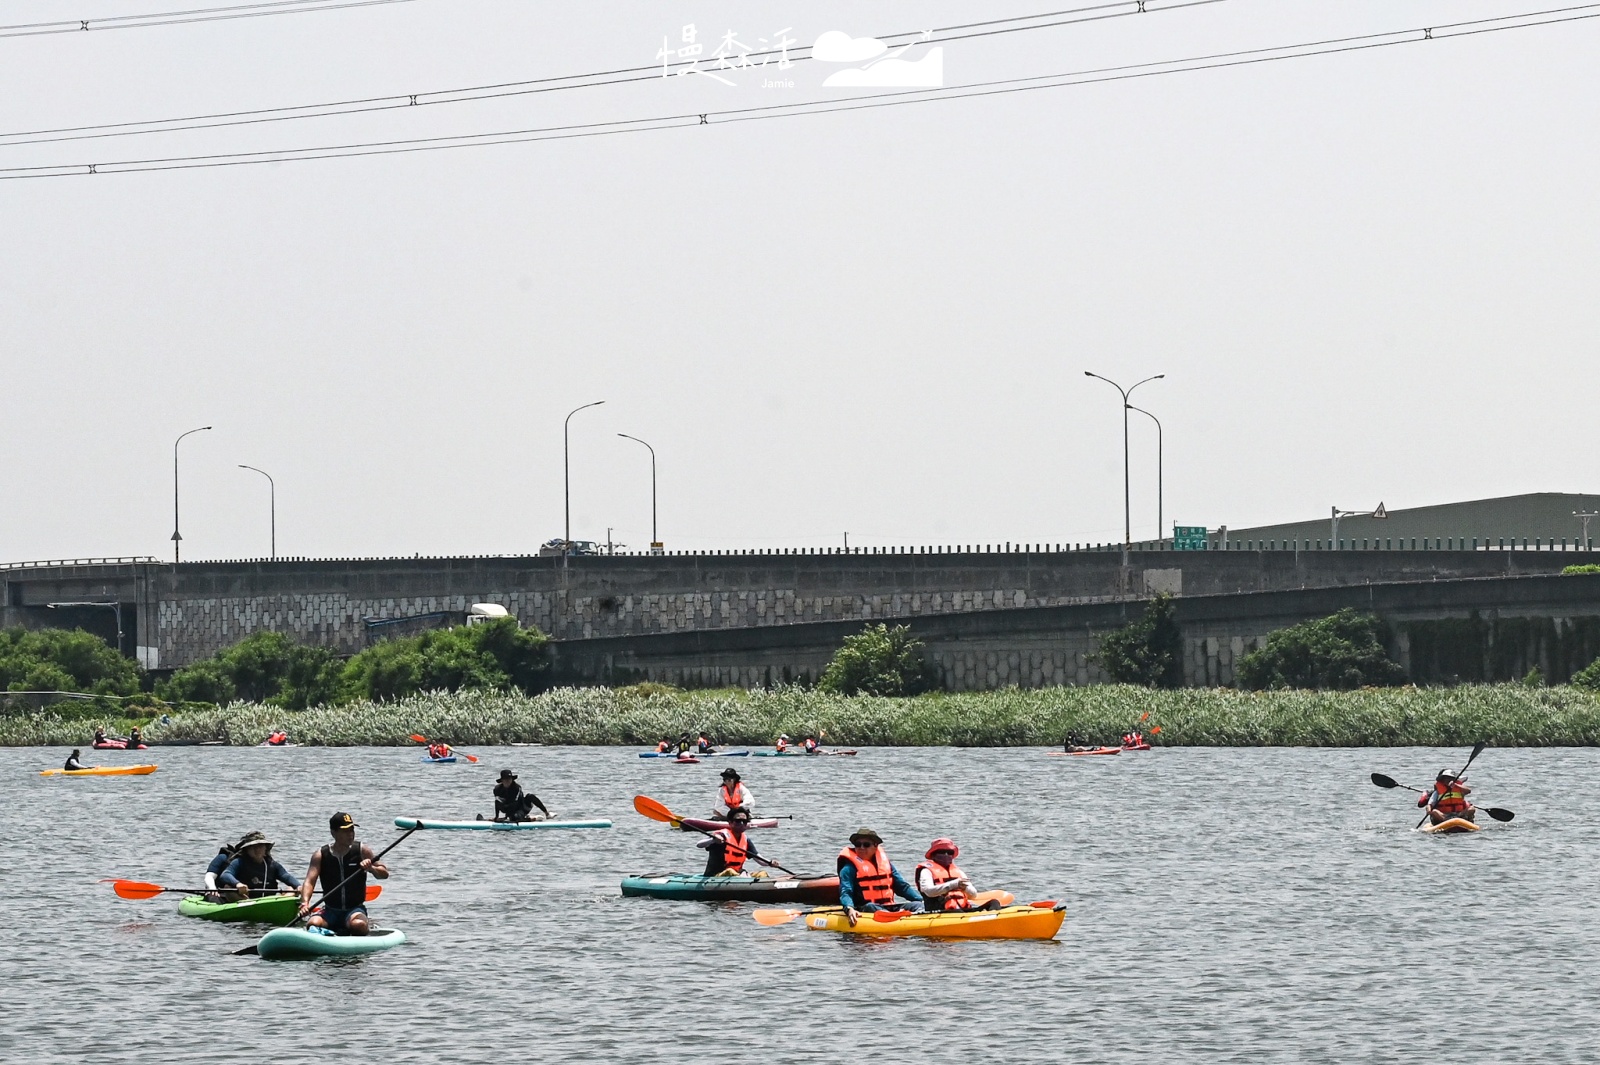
(1224, 905)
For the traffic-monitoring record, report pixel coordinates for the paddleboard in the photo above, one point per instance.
(284, 944)
(697, 754)
(493, 826)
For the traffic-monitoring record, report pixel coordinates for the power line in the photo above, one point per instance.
(1214, 61)
(178, 18)
(595, 79)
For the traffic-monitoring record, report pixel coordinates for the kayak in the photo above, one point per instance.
(102, 771)
(448, 759)
(494, 826)
(697, 754)
(283, 944)
(687, 760)
(1092, 750)
(1455, 824)
(795, 754)
(1136, 747)
(118, 745)
(711, 825)
(270, 909)
(277, 745)
(1041, 920)
(692, 888)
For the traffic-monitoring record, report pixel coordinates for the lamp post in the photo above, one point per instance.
(655, 541)
(1585, 516)
(566, 476)
(117, 606)
(1161, 519)
(177, 537)
(1333, 542)
(1127, 491)
(272, 506)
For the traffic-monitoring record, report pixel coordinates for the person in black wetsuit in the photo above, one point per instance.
(511, 803)
(254, 869)
(135, 738)
(342, 865)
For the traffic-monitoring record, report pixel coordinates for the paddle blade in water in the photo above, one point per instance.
(654, 810)
(135, 889)
(470, 757)
(775, 917)
(1384, 782)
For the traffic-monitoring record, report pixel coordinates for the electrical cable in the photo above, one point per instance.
(625, 75)
(1214, 61)
(179, 18)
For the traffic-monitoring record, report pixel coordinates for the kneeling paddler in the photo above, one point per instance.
(341, 867)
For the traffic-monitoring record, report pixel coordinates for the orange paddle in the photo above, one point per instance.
(469, 757)
(140, 889)
(772, 918)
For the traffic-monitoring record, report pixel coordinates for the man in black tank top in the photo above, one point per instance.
(341, 868)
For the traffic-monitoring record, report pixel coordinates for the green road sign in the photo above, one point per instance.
(1188, 537)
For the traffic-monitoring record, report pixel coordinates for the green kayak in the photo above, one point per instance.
(285, 944)
(270, 909)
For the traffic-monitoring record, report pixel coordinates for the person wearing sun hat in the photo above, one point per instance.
(254, 869)
(942, 884)
(511, 803)
(732, 793)
(341, 867)
(869, 881)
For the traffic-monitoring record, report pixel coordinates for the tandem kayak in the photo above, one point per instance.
(494, 826)
(1136, 747)
(101, 771)
(1455, 824)
(697, 754)
(448, 759)
(118, 745)
(270, 909)
(1092, 750)
(1040, 920)
(691, 888)
(284, 944)
(711, 825)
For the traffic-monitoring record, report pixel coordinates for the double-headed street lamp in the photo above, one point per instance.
(114, 605)
(655, 541)
(1127, 491)
(566, 475)
(272, 506)
(177, 537)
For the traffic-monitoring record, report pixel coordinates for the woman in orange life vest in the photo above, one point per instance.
(811, 745)
(728, 848)
(869, 881)
(664, 747)
(1448, 798)
(732, 794)
(942, 884)
(782, 744)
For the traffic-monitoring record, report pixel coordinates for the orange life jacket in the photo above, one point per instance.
(874, 880)
(737, 797)
(1449, 800)
(812, 745)
(955, 898)
(664, 746)
(734, 850)
(783, 745)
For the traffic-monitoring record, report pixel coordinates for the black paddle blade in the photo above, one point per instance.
(1499, 814)
(1385, 782)
(251, 949)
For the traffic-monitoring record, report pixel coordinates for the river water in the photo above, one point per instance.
(1223, 905)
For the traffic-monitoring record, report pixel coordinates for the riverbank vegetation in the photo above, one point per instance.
(1503, 714)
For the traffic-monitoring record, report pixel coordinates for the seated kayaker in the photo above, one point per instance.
(439, 751)
(74, 761)
(811, 745)
(225, 855)
(511, 803)
(1132, 739)
(728, 848)
(277, 739)
(1448, 798)
(341, 867)
(782, 744)
(703, 745)
(254, 870)
(100, 739)
(868, 881)
(942, 884)
(732, 793)
(664, 747)
(1075, 743)
(135, 738)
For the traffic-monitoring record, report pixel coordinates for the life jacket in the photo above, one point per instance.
(739, 796)
(704, 745)
(1448, 799)
(332, 869)
(811, 745)
(955, 898)
(664, 746)
(734, 852)
(783, 745)
(874, 882)
(257, 876)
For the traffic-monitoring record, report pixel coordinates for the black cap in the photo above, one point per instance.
(341, 821)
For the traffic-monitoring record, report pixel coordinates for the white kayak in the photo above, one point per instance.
(493, 826)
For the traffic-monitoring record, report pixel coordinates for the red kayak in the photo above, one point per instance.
(117, 745)
(1137, 747)
(687, 759)
(1092, 750)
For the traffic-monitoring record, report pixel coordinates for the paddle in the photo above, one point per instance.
(657, 812)
(140, 889)
(774, 917)
(1477, 749)
(1496, 812)
(469, 757)
(306, 910)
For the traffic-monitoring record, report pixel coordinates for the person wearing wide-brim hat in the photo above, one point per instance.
(254, 869)
(869, 881)
(511, 803)
(732, 793)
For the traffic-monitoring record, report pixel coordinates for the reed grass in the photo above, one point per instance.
(1502, 714)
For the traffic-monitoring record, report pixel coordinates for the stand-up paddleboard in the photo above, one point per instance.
(697, 754)
(286, 944)
(493, 826)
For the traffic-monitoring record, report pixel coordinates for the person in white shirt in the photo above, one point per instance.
(942, 884)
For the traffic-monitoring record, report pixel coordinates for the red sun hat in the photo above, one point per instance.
(942, 844)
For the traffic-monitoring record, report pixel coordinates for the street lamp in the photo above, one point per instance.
(117, 606)
(655, 541)
(1127, 492)
(272, 505)
(1161, 520)
(1584, 516)
(177, 537)
(566, 475)
(1333, 542)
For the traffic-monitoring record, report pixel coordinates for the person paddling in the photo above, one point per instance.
(704, 745)
(869, 881)
(74, 761)
(664, 747)
(811, 745)
(254, 869)
(440, 751)
(942, 884)
(219, 864)
(100, 737)
(342, 864)
(511, 803)
(135, 738)
(782, 745)
(1448, 798)
(732, 793)
(727, 849)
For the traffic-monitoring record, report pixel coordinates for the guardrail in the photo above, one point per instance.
(59, 563)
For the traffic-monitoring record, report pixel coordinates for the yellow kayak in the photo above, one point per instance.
(1041, 920)
(1455, 824)
(102, 771)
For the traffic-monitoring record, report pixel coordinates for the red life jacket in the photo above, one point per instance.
(734, 851)
(737, 797)
(955, 898)
(874, 881)
(812, 744)
(664, 746)
(1448, 800)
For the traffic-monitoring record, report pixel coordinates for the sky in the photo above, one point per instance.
(1366, 276)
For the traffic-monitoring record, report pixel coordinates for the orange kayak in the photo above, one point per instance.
(102, 771)
(1040, 920)
(1455, 824)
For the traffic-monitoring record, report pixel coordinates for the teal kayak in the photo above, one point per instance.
(270, 909)
(494, 826)
(689, 887)
(284, 944)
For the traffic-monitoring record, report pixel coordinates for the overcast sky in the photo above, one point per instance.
(1367, 276)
